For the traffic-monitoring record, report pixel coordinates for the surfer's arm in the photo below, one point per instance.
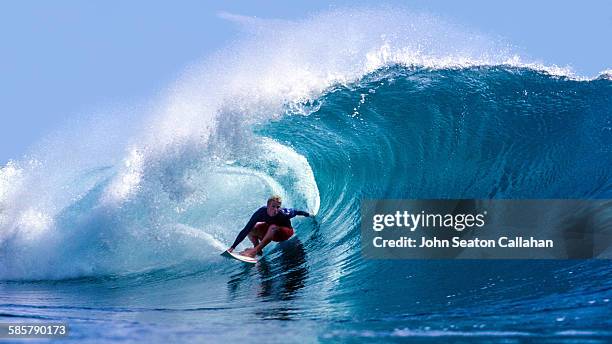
(302, 213)
(245, 231)
(294, 212)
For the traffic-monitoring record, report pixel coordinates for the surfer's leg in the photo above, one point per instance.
(254, 239)
(256, 234)
(272, 230)
(282, 234)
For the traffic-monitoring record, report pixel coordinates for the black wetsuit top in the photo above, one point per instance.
(281, 219)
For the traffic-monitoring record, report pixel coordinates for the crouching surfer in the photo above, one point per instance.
(268, 223)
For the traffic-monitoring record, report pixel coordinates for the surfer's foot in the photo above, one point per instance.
(249, 252)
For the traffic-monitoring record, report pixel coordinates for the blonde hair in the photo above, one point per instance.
(276, 198)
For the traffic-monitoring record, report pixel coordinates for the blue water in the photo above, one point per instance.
(124, 244)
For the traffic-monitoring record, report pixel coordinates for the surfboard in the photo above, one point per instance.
(239, 257)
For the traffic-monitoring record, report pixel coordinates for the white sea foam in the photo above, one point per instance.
(606, 74)
(127, 180)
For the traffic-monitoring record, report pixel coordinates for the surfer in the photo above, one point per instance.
(268, 223)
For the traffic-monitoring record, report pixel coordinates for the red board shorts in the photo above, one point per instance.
(282, 233)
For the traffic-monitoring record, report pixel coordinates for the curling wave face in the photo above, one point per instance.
(479, 132)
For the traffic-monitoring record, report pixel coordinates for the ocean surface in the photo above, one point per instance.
(115, 225)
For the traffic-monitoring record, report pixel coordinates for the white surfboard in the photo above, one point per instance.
(239, 257)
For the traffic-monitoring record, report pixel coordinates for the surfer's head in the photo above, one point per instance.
(274, 203)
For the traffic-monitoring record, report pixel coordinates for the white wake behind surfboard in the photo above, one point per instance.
(239, 257)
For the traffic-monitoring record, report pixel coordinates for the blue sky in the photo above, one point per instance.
(66, 59)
